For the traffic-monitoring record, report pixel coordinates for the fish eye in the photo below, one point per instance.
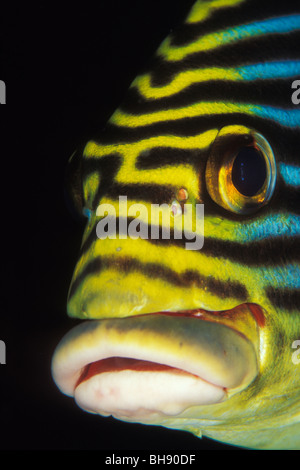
(241, 170)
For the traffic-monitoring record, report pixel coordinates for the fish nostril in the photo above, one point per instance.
(182, 195)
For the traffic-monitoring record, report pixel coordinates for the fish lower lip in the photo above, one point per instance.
(129, 388)
(141, 367)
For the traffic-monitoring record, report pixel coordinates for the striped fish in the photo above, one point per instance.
(202, 338)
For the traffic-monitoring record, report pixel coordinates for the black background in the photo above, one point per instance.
(66, 69)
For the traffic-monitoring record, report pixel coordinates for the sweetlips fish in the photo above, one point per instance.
(188, 277)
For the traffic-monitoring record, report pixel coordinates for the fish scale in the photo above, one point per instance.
(223, 81)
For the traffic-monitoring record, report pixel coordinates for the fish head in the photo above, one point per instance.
(187, 280)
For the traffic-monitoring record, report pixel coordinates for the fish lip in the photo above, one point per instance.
(214, 315)
(228, 319)
(203, 315)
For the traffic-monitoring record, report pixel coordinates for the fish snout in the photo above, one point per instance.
(150, 367)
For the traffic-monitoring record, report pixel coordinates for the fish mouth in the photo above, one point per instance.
(149, 367)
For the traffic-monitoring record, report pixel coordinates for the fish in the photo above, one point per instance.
(187, 284)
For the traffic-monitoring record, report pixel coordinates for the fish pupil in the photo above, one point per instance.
(248, 171)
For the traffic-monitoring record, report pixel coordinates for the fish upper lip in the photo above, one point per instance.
(246, 319)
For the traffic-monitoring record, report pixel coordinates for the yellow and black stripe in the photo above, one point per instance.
(219, 84)
(230, 64)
